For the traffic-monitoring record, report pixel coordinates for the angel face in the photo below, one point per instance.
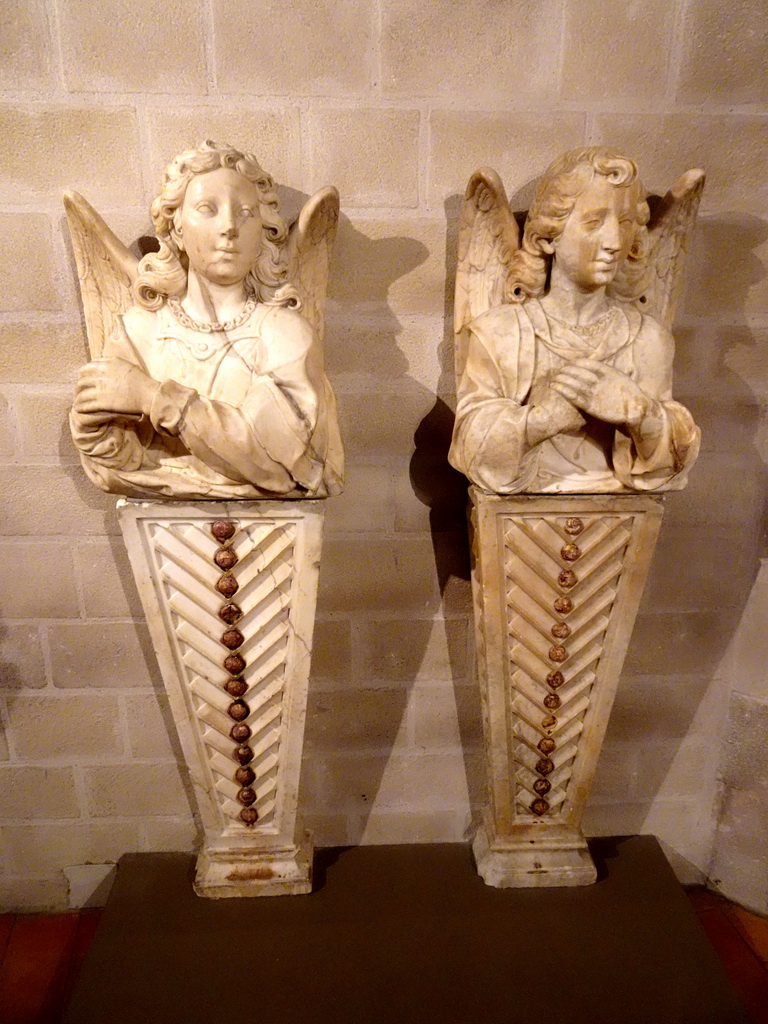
(219, 226)
(598, 234)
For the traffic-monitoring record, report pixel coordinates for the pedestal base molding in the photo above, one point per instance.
(532, 863)
(557, 582)
(229, 592)
(255, 872)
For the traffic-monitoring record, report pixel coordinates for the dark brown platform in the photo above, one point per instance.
(405, 935)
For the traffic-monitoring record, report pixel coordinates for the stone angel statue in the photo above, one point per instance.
(563, 344)
(207, 378)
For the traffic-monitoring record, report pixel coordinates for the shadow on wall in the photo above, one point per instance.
(351, 732)
(8, 678)
(664, 734)
(700, 581)
(373, 580)
(145, 670)
(710, 545)
(444, 490)
(22, 666)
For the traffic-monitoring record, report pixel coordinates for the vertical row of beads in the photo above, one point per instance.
(558, 653)
(232, 640)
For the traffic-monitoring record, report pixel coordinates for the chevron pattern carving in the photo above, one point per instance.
(561, 579)
(478, 607)
(226, 589)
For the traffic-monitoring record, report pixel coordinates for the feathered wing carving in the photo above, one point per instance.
(308, 248)
(670, 229)
(488, 236)
(105, 267)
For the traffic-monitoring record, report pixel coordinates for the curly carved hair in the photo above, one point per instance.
(556, 194)
(164, 273)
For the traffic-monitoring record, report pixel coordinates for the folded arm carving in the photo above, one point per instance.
(563, 344)
(207, 378)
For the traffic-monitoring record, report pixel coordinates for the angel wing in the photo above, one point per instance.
(670, 229)
(488, 236)
(105, 267)
(308, 249)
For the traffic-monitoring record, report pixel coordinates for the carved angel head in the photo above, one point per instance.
(164, 273)
(558, 191)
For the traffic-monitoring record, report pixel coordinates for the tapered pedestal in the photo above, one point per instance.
(229, 592)
(556, 581)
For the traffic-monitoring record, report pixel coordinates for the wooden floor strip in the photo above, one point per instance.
(753, 929)
(34, 971)
(6, 927)
(743, 966)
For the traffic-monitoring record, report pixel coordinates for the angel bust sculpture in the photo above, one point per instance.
(563, 345)
(207, 376)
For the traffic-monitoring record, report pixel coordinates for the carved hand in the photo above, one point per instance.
(603, 392)
(549, 413)
(113, 387)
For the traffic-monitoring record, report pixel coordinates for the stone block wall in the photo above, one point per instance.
(396, 104)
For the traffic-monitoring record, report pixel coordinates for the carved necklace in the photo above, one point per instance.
(587, 330)
(212, 327)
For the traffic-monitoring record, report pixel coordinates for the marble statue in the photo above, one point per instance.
(207, 375)
(567, 429)
(206, 387)
(564, 351)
